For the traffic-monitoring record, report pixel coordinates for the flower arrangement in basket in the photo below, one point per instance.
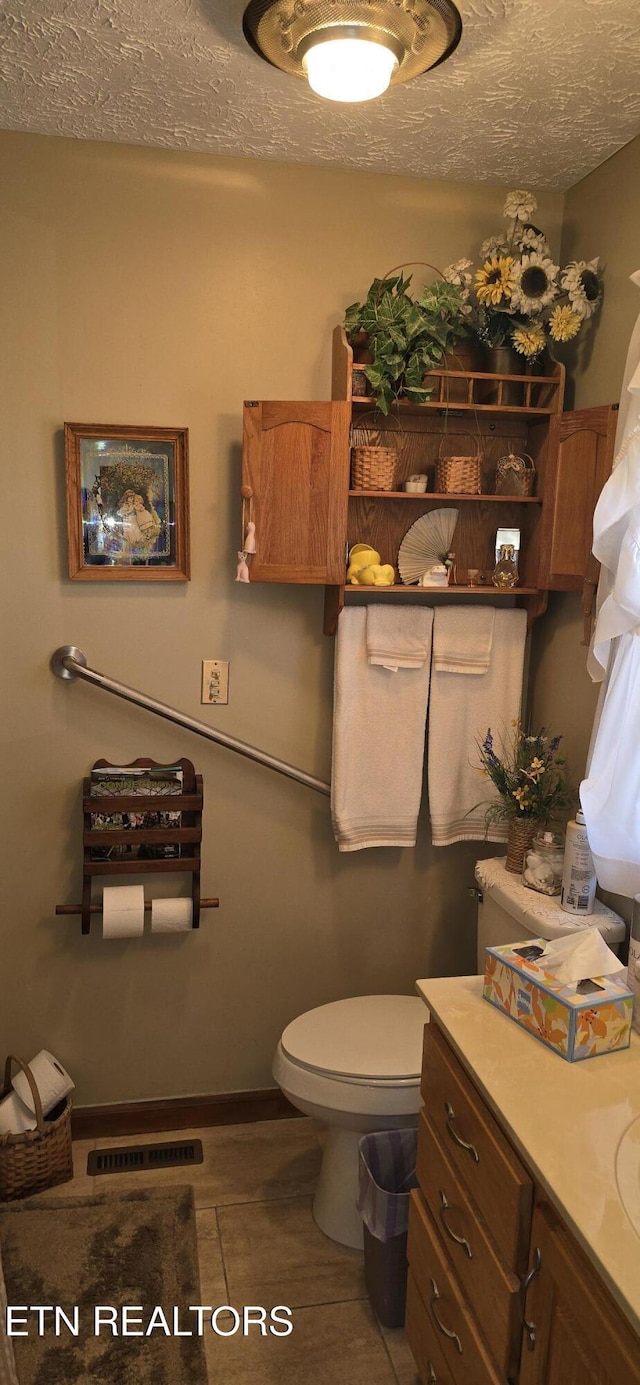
(519, 297)
(531, 780)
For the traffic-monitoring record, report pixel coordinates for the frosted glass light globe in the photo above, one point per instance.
(349, 69)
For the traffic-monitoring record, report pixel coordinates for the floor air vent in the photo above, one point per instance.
(130, 1158)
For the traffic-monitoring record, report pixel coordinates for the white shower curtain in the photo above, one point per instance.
(610, 795)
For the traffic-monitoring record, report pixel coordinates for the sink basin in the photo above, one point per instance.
(628, 1173)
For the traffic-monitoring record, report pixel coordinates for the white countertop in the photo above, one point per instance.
(565, 1119)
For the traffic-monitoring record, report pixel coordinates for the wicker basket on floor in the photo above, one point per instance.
(40, 1158)
(373, 466)
(459, 475)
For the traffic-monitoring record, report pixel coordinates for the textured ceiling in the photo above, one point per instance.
(538, 93)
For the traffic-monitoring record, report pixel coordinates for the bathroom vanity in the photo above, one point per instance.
(524, 1234)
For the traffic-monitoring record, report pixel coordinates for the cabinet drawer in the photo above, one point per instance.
(492, 1291)
(480, 1153)
(461, 1345)
(423, 1340)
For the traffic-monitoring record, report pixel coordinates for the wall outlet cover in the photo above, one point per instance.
(215, 681)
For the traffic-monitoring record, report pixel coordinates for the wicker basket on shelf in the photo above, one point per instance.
(40, 1158)
(515, 474)
(373, 466)
(459, 475)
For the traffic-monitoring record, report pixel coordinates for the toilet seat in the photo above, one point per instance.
(366, 1040)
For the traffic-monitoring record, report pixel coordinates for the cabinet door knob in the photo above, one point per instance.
(464, 1144)
(530, 1327)
(446, 1331)
(459, 1240)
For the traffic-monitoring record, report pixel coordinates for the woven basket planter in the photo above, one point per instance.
(40, 1158)
(521, 834)
(459, 475)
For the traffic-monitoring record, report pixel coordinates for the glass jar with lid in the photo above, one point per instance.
(543, 860)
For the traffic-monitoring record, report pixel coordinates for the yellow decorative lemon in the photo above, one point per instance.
(367, 575)
(385, 576)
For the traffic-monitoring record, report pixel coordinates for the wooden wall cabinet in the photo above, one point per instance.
(499, 1291)
(296, 483)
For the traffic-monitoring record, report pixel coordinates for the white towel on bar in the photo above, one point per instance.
(461, 645)
(398, 639)
(379, 720)
(462, 709)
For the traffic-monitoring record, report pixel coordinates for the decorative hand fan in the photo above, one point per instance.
(425, 543)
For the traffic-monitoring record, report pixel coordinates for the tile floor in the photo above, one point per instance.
(258, 1244)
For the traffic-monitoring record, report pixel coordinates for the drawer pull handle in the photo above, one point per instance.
(530, 1327)
(459, 1240)
(464, 1144)
(433, 1379)
(446, 1331)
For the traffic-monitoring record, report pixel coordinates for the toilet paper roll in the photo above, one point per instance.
(171, 915)
(123, 911)
(15, 1116)
(51, 1079)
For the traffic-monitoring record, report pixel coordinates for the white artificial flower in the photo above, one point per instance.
(494, 245)
(534, 283)
(582, 283)
(530, 239)
(459, 274)
(520, 205)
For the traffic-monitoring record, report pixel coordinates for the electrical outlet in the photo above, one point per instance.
(215, 681)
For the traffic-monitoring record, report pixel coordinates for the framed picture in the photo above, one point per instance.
(127, 502)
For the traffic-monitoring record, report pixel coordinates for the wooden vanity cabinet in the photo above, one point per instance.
(296, 485)
(575, 1333)
(499, 1291)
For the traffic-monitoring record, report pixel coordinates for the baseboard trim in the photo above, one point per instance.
(179, 1113)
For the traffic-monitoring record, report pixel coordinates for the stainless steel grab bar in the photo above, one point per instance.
(70, 662)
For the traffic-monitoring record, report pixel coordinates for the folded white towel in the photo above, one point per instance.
(379, 722)
(462, 643)
(399, 639)
(462, 707)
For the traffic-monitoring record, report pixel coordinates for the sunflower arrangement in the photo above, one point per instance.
(518, 295)
(530, 777)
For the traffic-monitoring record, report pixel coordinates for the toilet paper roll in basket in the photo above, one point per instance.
(51, 1079)
(15, 1117)
(123, 911)
(171, 915)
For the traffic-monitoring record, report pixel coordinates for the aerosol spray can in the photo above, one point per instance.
(633, 971)
(578, 877)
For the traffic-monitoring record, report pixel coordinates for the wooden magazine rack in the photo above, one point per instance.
(188, 835)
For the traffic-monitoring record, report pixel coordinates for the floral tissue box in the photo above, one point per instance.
(582, 1020)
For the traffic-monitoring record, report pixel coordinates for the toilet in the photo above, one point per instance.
(354, 1065)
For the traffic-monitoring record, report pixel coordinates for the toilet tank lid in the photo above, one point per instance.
(369, 1036)
(541, 914)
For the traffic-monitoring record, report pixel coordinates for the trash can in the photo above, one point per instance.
(387, 1172)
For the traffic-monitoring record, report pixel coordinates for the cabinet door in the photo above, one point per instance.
(295, 484)
(579, 1335)
(578, 462)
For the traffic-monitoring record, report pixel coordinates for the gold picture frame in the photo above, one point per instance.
(127, 502)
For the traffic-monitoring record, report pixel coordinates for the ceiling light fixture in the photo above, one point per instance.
(352, 50)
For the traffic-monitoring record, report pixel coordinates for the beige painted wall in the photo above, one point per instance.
(155, 287)
(602, 215)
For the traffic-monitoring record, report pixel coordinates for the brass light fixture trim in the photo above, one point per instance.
(421, 33)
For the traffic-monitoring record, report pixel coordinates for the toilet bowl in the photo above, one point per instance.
(354, 1065)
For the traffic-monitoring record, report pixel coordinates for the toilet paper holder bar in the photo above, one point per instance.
(70, 909)
(174, 847)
